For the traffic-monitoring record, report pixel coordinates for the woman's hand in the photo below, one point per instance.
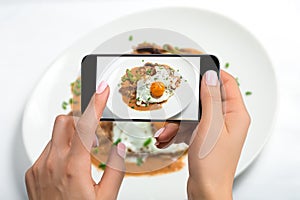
(63, 170)
(216, 142)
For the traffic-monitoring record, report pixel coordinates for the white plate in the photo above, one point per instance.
(217, 34)
(182, 97)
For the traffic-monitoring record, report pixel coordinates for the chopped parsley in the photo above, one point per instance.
(64, 105)
(148, 72)
(139, 161)
(130, 38)
(226, 65)
(143, 60)
(71, 101)
(147, 142)
(96, 150)
(102, 166)
(132, 107)
(117, 141)
(248, 93)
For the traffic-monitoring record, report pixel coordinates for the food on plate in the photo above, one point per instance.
(147, 87)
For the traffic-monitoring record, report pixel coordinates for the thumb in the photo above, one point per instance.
(211, 123)
(88, 122)
(113, 175)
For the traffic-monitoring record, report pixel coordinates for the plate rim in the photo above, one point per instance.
(64, 53)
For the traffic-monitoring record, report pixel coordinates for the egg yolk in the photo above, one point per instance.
(157, 89)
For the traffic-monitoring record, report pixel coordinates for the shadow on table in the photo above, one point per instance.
(20, 161)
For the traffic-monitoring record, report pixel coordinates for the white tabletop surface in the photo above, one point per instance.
(32, 35)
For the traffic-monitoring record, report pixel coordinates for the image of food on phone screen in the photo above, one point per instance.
(149, 87)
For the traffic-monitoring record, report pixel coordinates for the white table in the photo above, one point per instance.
(33, 35)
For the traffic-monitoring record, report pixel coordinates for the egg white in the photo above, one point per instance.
(143, 93)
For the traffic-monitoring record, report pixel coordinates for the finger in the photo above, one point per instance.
(233, 105)
(88, 122)
(63, 132)
(114, 172)
(166, 133)
(211, 124)
(231, 95)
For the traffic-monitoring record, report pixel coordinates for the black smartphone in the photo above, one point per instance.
(154, 87)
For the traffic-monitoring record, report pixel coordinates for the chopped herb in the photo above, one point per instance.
(177, 70)
(248, 93)
(139, 161)
(237, 81)
(155, 78)
(226, 65)
(138, 98)
(64, 105)
(147, 142)
(117, 141)
(132, 107)
(180, 77)
(102, 166)
(76, 92)
(149, 98)
(96, 150)
(143, 60)
(119, 84)
(185, 80)
(130, 38)
(72, 84)
(148, 72)
(71, 101)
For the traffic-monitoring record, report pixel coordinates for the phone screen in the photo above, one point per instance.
(150, 88)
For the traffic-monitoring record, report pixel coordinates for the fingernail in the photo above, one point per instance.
(156, 143)
(157, 134)
(211, 78)
(101, 87)
(96, 142)
(121, 149)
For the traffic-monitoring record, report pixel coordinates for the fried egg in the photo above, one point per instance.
(158, 87)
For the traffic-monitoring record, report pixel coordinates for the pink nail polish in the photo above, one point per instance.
(211, 78)
(157, 134)
(121, 149)
(101, 87)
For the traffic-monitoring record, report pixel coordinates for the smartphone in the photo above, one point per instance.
(154, 87)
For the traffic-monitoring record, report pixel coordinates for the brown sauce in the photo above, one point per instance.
(153, 165)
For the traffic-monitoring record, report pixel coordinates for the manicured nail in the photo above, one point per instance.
(121, 149)
(96, 142)
(101, 87)
(157, 134)
(211, 78)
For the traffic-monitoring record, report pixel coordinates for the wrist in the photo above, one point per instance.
(200, 191)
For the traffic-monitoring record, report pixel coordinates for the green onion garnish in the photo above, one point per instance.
(130, 38)
(102, 166)
(139, 161)
(117, 141)
(248, 93)
(147, 142)
(64, 105)
(226, 65)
